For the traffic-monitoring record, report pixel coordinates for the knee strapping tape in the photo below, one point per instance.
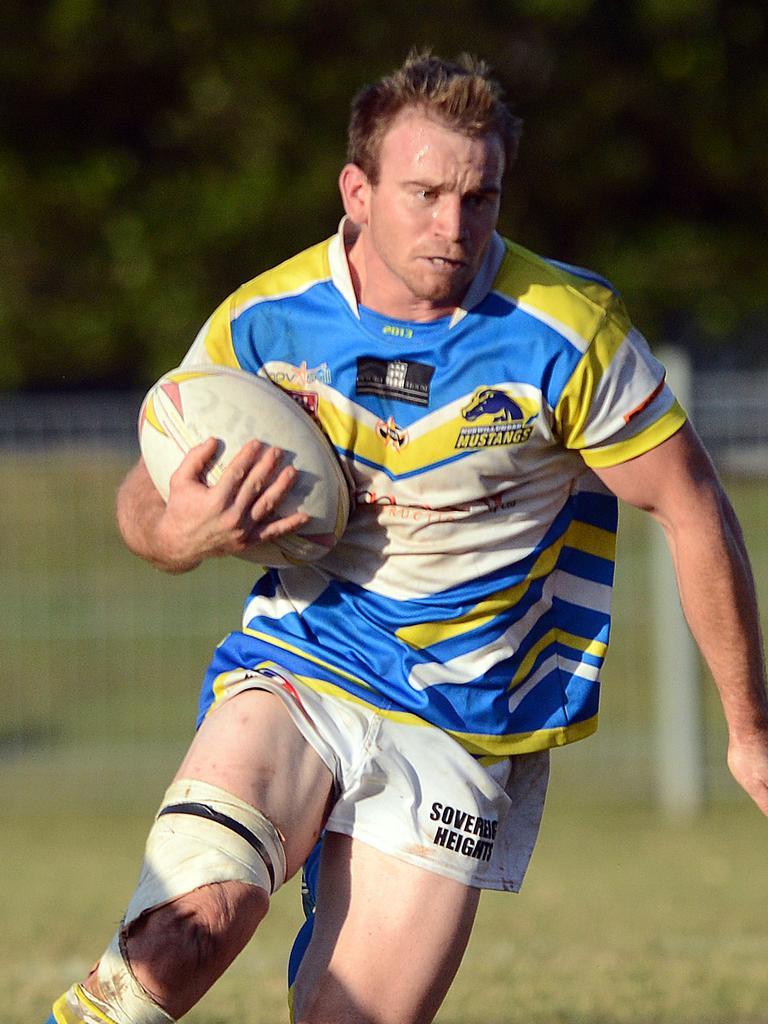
(201, 835)
(77, 1006)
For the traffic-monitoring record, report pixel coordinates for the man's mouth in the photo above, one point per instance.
(444, 263)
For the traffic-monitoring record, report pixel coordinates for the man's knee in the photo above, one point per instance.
(196, 932)
(210, 864)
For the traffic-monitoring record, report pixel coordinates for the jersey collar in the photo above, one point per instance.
(477, 291)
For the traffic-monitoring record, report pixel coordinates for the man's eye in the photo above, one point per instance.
(427, 194)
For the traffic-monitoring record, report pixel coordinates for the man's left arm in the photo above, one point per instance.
(677, 484)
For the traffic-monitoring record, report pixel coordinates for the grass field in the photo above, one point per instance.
(625, 919)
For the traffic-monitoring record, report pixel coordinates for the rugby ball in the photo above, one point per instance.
(192, 403)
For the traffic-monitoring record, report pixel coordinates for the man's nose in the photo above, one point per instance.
(449, 220)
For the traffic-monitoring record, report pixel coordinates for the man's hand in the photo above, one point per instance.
(200, 522)
(748, 762)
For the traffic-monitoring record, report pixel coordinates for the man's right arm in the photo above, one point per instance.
(198, 521)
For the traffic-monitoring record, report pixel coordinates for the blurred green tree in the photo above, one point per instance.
(153, 156)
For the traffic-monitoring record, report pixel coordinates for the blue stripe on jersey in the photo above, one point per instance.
(583, 694)
(582, 621)
(586, 565)
(597, 510)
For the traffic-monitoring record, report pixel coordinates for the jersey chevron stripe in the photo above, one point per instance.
(472, 587)
(586, 538)
(302, 654)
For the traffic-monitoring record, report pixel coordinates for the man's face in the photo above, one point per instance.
(430, 217)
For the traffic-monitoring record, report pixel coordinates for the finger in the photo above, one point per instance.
(238, 471)
(279, 527)
(258, 479)
(195, 461)
(266, 505)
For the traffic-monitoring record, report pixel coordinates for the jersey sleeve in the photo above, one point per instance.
(214, 343)
(617, 404)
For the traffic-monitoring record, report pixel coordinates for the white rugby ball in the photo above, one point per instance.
(192, 403)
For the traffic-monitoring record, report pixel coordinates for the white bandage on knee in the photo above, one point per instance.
(201, 835)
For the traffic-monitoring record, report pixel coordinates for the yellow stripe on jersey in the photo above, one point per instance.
(590, 539)
(651, 437)
(277, 642)
(523, 742)
(219, 346)
(295, 274)
(576, 400)
(413, 454)
(579, 643)
(593, 540)
(325, 687)
(569, 303)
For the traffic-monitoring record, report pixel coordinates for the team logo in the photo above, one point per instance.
(392, 435)
(497, 418)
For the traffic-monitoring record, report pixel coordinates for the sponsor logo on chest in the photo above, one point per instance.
(394, 378)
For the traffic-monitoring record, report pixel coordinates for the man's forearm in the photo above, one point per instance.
(139, 514)
(718, 597)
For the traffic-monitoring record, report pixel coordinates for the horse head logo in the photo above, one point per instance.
(493, 402)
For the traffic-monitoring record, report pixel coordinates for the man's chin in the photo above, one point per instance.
(442, 290)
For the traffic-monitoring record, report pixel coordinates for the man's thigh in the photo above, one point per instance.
(388, 939)
(250, 747)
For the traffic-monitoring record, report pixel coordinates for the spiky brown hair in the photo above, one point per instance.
(460, 95)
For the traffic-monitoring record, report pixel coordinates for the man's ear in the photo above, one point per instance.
(355, 193)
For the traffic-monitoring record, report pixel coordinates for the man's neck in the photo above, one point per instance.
(394, 301)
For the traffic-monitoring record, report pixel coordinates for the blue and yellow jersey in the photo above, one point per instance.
(472, 587)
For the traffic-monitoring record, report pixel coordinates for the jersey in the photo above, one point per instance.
(472, 586)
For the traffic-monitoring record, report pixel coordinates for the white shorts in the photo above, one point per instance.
(410, 790)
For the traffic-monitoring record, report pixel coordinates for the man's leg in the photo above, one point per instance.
(309, 873)
(387, 940)
(250, 751)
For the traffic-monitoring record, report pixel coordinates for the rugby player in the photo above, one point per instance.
(401, 697)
